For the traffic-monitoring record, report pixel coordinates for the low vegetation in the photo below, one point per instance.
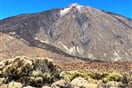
(23, 71)
(90, 76)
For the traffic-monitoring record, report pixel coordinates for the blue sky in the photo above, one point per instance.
(15, 7)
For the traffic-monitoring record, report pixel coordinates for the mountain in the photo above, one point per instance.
(76, 31)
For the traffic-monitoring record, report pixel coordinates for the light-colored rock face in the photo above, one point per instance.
(29, 87)
(76, 30)
(80, 82)
(60, 83)
(46, 87)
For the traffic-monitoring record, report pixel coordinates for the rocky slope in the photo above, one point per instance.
(11, 47)
(75, 31)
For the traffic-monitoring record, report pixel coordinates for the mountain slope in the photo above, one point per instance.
(11, 47)
(75, 31)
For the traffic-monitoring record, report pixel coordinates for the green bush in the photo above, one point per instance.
(70, 75)
(36, 72)
(112, 76)
(92, 76)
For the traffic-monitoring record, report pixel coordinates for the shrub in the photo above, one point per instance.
(113, 76)
(36, 72)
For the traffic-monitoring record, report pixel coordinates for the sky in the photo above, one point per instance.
(15, 7)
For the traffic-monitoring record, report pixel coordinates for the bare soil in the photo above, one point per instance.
(99, 66)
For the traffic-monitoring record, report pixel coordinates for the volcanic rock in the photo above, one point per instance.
(75, 31)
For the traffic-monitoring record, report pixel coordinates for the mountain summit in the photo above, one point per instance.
(75, 31)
